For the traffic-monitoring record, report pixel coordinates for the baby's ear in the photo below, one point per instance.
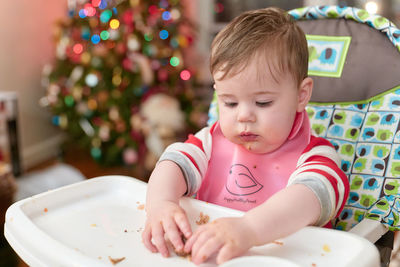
(305, 92)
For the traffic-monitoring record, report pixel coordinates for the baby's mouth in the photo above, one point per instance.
(248, 137)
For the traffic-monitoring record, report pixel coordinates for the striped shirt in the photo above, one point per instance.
(221, 172)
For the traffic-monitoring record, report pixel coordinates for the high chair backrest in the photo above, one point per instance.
(354, 60)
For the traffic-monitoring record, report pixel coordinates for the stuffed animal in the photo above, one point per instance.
(161, 122)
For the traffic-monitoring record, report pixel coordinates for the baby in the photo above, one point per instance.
(259, 157)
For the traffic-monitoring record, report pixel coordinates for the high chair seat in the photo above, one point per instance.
(354, 61)
(358, 110)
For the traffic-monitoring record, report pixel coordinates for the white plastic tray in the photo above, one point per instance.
(91, 222)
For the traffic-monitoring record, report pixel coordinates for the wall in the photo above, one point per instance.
(26, 45)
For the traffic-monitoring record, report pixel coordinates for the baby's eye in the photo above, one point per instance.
(263, 103)
(230, 104)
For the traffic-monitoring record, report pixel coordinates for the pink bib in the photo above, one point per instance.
(239, 179)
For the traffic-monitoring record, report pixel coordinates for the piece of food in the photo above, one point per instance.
(203, 219)
(180, 253)
(278, 242)
(326, 248)
(116, 260)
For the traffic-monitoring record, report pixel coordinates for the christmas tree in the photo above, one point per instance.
(120, 85)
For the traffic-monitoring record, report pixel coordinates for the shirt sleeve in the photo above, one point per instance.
(192, 157)
(318, 169)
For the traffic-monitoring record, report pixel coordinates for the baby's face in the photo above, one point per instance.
(257, 113)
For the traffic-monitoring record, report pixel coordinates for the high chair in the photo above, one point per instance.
(354, 61)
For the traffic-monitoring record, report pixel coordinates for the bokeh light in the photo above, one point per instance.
(183, 41)
(105, 16)
(85, 58)
(78, 49)
(95, 39)
(148, 37)
(82, 13)
(103, 4)
(96, 3)
(69, 100)
(89, 10)
(63, 121)
(219, 8)
(163, 4)
(175, 14)
(153, 9)
(185, 75)
(92, 104)
(164, 34)
(55, 120)
(174, 61)
(114, 24)
(95, 152)
(174, 43)
(104, 35)
(85, 33)
(371, 7)
(91, 80)
(166, 15)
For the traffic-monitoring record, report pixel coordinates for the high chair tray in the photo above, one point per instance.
(99, 222)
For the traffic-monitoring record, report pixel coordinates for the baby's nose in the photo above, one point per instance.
(246, 114)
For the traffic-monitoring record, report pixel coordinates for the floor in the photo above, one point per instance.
(89, 168)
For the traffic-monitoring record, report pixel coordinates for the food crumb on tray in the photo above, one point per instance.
(326, 248)
(278, 243)
(45, 210)
(203, 219)
(140, 207)
(181, 253)
(115, 261)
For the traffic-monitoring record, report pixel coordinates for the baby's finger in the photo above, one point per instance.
(192, 239)
(146, 238)
(201, 240)
(173, 234)
(183, 224)
(226, 253)
(209, 248)
(158, 239)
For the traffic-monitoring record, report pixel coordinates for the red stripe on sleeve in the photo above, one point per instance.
(317, 141)
(195, 141)
(321, 159)
(191, 159)
(345, 181)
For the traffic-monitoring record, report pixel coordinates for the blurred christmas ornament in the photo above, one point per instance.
(130, 156)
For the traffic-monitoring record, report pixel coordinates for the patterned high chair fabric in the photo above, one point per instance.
(354, 59)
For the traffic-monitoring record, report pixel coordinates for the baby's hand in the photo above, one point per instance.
(230, 237)
(165, 217)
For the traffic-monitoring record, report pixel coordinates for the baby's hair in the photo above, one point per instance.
(269, 35)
